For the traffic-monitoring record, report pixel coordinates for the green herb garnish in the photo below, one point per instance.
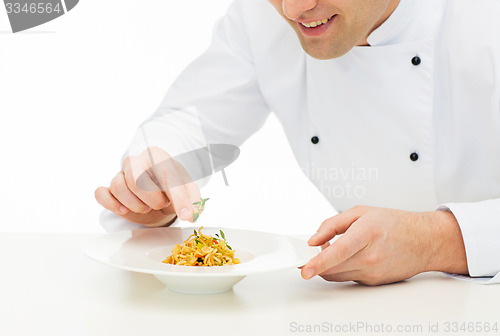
(224, 238)
(201, 206)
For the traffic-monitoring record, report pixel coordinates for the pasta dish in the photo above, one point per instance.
(203, 250)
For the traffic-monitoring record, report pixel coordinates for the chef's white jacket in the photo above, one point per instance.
(411, 122)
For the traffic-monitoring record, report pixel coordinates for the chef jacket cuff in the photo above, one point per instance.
(477, 280)
(480, 226)
(111, 222)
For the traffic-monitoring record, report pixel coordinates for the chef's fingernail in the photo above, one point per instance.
(123, 210)
(184, 214)
(308, 273)
(313, 237)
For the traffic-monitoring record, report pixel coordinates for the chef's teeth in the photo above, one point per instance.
(317, 23)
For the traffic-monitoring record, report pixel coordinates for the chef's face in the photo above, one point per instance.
(330, 28)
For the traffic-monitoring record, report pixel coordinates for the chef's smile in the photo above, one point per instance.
(330, 28)
(315, 27)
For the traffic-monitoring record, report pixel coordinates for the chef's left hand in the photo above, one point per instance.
(381, 246)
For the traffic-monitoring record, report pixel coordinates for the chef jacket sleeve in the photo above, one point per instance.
(216, 99)
(111, 222)
(480, 226)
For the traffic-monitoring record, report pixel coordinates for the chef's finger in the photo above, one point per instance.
(325, 245)
(143, 186)
(350, 243)
(108, 201)
(341, 277)
(336, 225)
(195, 196)
(179, 187)
(125, 196)
(354, 263)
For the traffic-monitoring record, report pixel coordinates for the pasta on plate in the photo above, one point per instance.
(203, 250)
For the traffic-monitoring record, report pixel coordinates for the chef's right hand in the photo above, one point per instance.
(152, 195)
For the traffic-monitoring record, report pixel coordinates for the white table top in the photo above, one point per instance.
(48, 287)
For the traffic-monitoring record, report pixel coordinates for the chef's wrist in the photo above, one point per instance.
(447, 250)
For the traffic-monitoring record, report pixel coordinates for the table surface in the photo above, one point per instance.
(48, 287)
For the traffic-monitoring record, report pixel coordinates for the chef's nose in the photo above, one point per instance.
(293, 9)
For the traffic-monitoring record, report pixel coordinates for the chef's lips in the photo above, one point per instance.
(316, 28)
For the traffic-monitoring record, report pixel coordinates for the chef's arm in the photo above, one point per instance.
(480, 227)
(216, 100)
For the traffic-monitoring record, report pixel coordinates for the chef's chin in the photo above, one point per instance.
(324, 51)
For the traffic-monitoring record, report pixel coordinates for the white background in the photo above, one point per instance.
(74, 90)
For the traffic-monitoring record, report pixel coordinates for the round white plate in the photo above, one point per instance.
(144, 250)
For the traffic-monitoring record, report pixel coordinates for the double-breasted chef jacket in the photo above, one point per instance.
(411, 121)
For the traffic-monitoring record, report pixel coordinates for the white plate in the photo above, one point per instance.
(144, 250)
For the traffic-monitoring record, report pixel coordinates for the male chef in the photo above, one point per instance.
(410, 88)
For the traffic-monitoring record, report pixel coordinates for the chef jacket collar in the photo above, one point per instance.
(394, 29)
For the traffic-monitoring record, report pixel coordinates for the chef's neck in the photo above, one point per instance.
(387, 13)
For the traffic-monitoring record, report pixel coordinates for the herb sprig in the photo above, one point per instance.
(199, 243)
(201, 207)
(223, 238)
